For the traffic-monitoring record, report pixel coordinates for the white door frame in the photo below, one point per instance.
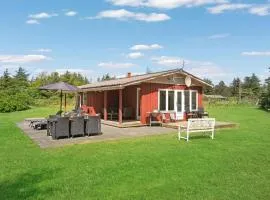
(179, 115)
(138, 116)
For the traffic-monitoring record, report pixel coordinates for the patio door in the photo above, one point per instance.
(138, 105)
(180, 104)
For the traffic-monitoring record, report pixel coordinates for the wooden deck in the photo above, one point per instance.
(174, 125)
(125, 123)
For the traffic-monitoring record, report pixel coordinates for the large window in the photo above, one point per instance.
(194, 101)
(170, 100)
(179, 101)
(187, 100)
(162, 100)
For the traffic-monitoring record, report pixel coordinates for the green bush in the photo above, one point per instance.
(15, 102)
(265, 101)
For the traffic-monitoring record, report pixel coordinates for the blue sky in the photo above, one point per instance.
(218, 39)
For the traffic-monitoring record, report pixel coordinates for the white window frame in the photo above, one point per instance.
(183, 101)
(190, 100)
(175, 100)
(166, 100)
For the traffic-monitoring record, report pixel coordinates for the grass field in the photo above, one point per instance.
(236, 165)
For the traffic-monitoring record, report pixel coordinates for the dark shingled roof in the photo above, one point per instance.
(136, 79)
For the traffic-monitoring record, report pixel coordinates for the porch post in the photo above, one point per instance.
(105, 106)
(120, 115)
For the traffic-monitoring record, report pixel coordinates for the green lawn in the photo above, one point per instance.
(236, 165)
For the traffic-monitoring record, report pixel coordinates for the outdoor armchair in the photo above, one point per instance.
(202, 113)
(173, 117)
(165, 118)
(127, 114)
(77, 126)
(93, 125)
(50, 125)
(59, 127)
(113, 113)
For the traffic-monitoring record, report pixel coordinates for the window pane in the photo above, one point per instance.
(162, 100)
(179, 101)
(194, 100)
(187, 101)
(171, 100)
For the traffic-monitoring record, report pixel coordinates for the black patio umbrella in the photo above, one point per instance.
(62, 87)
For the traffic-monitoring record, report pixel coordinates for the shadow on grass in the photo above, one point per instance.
(196, 137)
(264, 109)
(27, 186)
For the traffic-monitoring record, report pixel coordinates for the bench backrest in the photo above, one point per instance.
(201, 124)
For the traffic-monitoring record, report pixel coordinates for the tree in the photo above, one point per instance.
(251, 86)
(105, 77)
(235, 87)
(18, 92)
(208, 90)
(6, 80)
(66, 77)
(255, 84)
(222, 89)
(54, 77)
(21, 78)
(265, 96)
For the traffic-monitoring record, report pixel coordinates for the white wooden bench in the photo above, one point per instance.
(197, 125)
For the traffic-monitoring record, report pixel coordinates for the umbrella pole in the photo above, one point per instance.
(61, 99)
(65, 102)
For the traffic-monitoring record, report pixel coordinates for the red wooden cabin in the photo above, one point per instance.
(133, 97)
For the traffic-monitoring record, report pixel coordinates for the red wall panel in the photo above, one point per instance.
(130, 99)
(95, 99)
(149, 99)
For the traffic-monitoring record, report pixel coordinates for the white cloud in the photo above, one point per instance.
(261, 10)
(75, 70)
(10, 66)
(71, 13)
(42, 15)
(32, 21)
(135, 55)
(116, 65)
(219, 6)
(146, 47)
(169, 61)
(123, 14)
(202, 69)
(84, 72)
(165, 4)
(219, 36)
(218, 9)
(44, 50)
(212, 71)
(22, 58)
(256, 53)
